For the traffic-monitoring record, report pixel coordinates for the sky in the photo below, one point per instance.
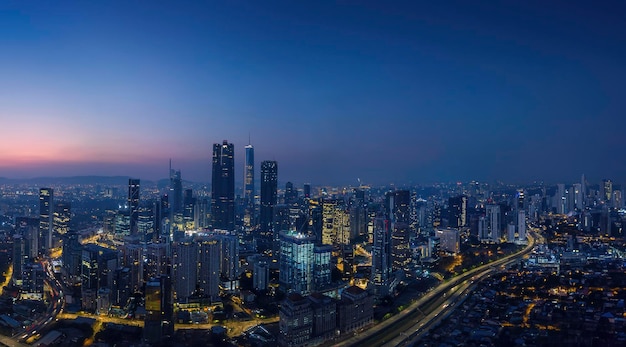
(385, 92)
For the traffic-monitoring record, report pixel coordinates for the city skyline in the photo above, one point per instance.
(408, 93)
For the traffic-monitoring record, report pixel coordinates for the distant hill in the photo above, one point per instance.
(88, 180)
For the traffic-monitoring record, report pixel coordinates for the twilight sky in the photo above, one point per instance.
(409, 92)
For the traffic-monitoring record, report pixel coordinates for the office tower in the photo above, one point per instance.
(381, 257)
(121, 286)
(307, 190)
(200, 214)
(145, 224)
(72, 256)
(62, 217)
(175, 196)
(489, 226)
(560, 199)
(520, 200)
(32, 281)
(132, 257)
(248, 187)
(260, 275)
(291, 194)
(122, 222)
(188, 209)
(578, 196)
(223, 186)
(296, 262)
(46, 214)
(358, 221)
(607, 189)
(20, 258)
(329, 236)
(159, 321)
(28, 228)
(617, 200)
(449, 240)
(97, 271)
(521, 226)
(133, 204)
(322, 266)
(315, 220)
(458, 211)
(269, 195)
(398, 210)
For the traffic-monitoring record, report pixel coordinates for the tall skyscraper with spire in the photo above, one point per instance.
(248, 189)
(223, 186)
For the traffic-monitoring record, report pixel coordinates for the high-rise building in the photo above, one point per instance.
(296, 263)
(223, 186)
(189, 202)
(381, 257)
(208, 265)
(307, 190)
(248, 187)
(62, 215)
(489, 226)
(133, 204)
(449, 240)
(159, 321)
(46, 215)
(184, 268)
(458, 211)
(269, 195)
(399, 216)
(291, 194)
(322, 266)
(607, 189)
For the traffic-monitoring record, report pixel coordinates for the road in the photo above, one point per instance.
(408, 322)
(57, 300)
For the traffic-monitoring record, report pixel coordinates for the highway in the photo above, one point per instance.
(56, 307)
(418, 316)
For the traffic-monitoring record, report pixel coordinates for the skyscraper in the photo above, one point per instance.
(269, 193)
(398, 205)
(62, 217)
(458, 211)
(176, 193)
(297, 260)
(381, 257)
(607, 190)
(46, 214)
(159, 321)
(248, 189)
(223, 186)
(133, 204)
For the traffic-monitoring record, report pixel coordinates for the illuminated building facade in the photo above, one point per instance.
(133, 204)
(297, 260)
(46, 215)
(248, 187)
(269, 197)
